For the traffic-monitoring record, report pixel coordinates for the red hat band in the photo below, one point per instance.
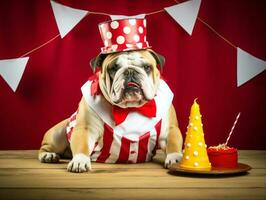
(123, 35)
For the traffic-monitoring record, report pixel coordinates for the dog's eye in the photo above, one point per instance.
(147, 68)
(113, 68)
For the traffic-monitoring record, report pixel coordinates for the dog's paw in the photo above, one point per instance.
(79, 163)
(49, 157)
(172, 158)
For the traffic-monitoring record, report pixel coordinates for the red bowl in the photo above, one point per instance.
(223, 158)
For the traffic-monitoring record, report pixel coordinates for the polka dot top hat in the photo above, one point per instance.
(123, 35)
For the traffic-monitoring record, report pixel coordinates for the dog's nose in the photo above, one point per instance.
(130, 72)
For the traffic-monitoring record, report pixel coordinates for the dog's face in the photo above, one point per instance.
(130, 79)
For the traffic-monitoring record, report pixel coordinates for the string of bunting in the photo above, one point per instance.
(185, 14)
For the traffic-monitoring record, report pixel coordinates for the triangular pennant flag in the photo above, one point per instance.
(248, 66)
(66, 17)
(12, 70)
(185, 14)
(117, 17)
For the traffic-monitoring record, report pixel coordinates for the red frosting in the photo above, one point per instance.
(225, 157)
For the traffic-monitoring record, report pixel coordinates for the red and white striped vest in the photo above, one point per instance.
(133, 141)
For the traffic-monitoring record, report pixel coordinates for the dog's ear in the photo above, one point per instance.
(159, 58)
(97, 61)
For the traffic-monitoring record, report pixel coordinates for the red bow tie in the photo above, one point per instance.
(120, 114)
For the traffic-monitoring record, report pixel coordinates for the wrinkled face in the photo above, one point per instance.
(130, 79)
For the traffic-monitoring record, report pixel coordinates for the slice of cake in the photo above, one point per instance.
(222, 156)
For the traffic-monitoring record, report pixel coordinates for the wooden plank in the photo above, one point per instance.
(19, 154)
(133, 194)
(123, 178)
(34, 163)
(28, 159)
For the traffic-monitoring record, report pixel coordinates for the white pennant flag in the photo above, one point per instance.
(248, 66)
(185, 14)
(117, 17)
(66, 17)
(12, 70)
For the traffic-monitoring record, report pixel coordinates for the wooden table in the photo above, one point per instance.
(22, 176)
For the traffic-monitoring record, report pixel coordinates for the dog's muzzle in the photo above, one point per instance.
(132, 82)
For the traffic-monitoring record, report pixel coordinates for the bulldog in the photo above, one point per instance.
(124, 115)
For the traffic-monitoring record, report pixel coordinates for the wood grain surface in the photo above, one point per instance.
(22, 176)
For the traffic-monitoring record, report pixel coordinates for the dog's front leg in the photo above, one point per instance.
(80, 150)
(86, 132)
(174, 140)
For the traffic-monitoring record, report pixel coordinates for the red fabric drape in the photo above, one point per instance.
(201, 65)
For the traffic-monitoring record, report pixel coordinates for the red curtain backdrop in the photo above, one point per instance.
(201, 65)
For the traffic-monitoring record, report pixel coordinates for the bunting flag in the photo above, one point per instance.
(248, 66)
(66, 17)
(117, 17)
(12, 70)
(185, 14)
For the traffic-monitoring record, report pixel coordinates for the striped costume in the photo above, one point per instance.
(136, 139)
